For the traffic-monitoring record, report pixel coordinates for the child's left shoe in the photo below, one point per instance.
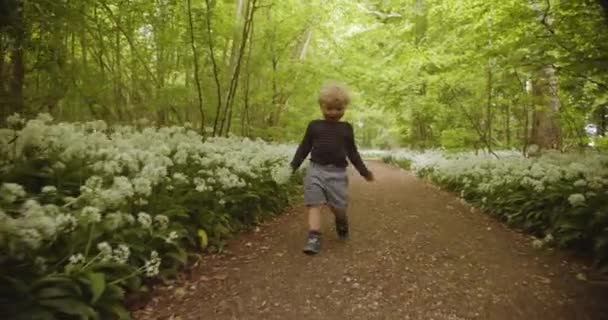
(313, 243)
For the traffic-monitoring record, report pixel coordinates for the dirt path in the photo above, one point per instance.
(415, 253)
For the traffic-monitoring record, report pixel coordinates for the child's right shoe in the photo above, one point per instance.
(313, 243)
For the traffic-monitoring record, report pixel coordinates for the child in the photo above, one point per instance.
(329, 141)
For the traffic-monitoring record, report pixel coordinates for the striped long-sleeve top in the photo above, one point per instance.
(329, 142)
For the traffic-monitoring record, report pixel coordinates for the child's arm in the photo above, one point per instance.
(354, 156)
(303, 149)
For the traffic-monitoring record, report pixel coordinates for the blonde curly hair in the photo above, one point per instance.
(334, 94)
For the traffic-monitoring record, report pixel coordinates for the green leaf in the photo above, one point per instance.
(18, 285)
(98, 285)
(38, 313)
(120, 312)
(204, 240)
(114, 292)
(57, 280)
(71, 306)
(53, 292)
(179, 255)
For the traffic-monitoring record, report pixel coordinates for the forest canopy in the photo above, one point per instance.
(425, 73)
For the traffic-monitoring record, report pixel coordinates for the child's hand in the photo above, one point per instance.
(370, 177)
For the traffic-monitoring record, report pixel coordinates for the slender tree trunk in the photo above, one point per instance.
(129, 39)
(17, 58)
(196, 69)
(603, 117)
(604, 4)
(216, 76)
(117, 75)
(233, 46)
(489, 114)
(250, 11)
(508, 124)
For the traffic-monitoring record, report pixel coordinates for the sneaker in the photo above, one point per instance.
(313, 244)
(342, 228)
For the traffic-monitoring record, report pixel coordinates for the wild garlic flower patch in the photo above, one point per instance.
(560, 197)
(77, 196)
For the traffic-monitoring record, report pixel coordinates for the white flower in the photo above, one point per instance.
(15, 120)
(105, 251)
(129, 219)
(172, 237)
(162, 220)
(537, 243)
(576, 199)
(30, 237)
(144, 219)
(58, 166)
(281, 175)
(152, 266)
(180, 177)
(76, 259)
(91, 214)
(44, 117)
(49, 189)
(580, 183)
(121, 254)
(142, 186)
(11, 192)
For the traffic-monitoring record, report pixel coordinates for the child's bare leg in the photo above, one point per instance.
(314, 218)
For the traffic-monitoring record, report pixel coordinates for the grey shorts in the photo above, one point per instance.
(326, 184)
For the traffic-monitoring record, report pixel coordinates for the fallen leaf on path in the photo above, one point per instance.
(220, 277)
(544, 280)
(179, 292)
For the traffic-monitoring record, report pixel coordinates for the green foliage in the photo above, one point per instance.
(459, 138)
(401, 162)
(560, 198)
(437, 65)
(89, 214)
(601, 143)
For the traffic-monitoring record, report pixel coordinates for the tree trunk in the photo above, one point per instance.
(216, 76)
(245, 108)
(508, 125)
(234, 81)
(488, 127)
(233, 46)
(196, 69)
(117, 74)
(603, 120)
(546, 131)
(604, 4)
(14, 90)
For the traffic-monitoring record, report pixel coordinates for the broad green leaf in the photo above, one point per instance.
(98, 285)
(204, 240)
(71, 306)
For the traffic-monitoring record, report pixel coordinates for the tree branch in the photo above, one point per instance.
(131, 44)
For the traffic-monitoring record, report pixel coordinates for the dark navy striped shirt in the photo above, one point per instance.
(329, 142)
